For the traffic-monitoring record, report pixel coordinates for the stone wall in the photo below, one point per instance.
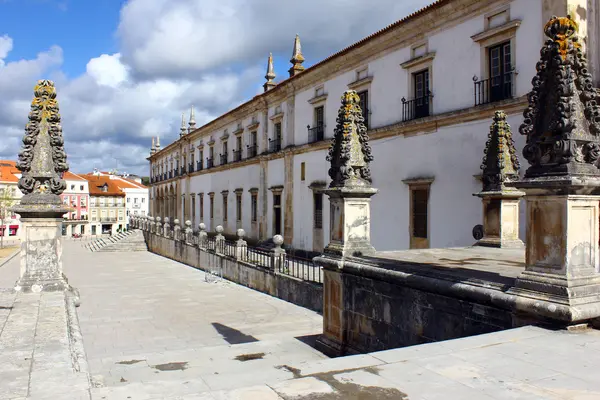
(303, 293)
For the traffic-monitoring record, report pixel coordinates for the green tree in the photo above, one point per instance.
(7, 200)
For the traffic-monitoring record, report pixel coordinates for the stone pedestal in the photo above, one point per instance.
(501, 219)
(562, 250)
(350, 221)
(41, 256)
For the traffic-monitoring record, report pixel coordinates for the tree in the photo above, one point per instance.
(146, 180)
(7, 200)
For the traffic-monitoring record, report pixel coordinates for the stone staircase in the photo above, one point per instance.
(125, 241)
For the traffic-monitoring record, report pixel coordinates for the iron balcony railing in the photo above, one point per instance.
(191, 168)
(316, 133)
(198, 165)
(251, 151)
(274, 145)
(494, 89)
(223, 159)
(209, 163)
(170, 174)
(237, 155)
(416, 108)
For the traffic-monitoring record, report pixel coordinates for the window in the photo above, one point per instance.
(238, 143)
(143, 199)
(254, 207)
(134, 200)
(253, 140)
(72, 187)
(318, 210)
(128, 199)
(225, 207)
(212, 207)
(193, 206)
(82, 201)
(302, 171)
(66, 200)
(277, 217)
(278, 131)
(364, 105)
(316, 133)
(201, 197)
(420, 199)
(238, 207)
(421, 82)
(500, 72)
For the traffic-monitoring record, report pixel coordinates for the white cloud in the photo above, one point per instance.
(6, 45)
(170, 37)
(108, 70)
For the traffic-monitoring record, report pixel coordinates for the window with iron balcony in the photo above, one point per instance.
(275, 143)
(317, 132)
(499, 84)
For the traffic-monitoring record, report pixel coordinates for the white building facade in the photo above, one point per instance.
(429, 85)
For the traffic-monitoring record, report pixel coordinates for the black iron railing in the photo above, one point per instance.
(251, 151)
(198, 165)
(191, 167)
(416, 108)
(300, 268)
(237, 155)
(258, 257)
(229, 248)
(274, 145)
(182, 170)
(316, 133)
(223, 159)
(494, 89)
(170, 174)
(209, 163)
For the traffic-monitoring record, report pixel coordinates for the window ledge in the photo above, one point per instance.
(318, 99)
(211, 142)
(419, 181)
(508, 28)
(360, 82)
(253, 125)
(277, 116)
(253, 190)
(276, 188)
(238, 132)
(418, 60)
(225, 136)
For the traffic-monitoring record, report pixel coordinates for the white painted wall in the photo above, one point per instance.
(452, 154)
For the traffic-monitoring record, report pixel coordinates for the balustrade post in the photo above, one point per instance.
(202, 236)
(176, 230)
(158, 229)
(278, 253)
(219, 240)
(241, 247)
(166, 227)
(189, 232)
(150, 224)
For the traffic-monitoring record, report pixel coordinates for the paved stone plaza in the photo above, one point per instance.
(155, 329)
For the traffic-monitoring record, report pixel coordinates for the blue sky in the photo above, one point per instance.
(83, 28)
(125, 70)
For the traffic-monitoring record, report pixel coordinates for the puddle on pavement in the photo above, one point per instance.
(172, 366)
(130, 362)
(250, 357)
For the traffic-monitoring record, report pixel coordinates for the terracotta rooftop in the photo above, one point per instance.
(70, 176)
(126, 183)
(96, 184)
(8, 171)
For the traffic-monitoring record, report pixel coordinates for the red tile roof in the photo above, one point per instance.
(70, 176)
(97, 182)
(8, 171)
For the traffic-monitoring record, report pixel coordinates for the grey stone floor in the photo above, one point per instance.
(154, 329)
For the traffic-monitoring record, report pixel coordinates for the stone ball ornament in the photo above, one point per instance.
(219, 229)
(202, 226)
(278, 240)
(188, 223)
(241, 233)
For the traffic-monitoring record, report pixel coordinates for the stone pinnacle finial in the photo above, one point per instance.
(297, 58)
(192, 123)
(350, 152)
(153, 148)
(269, 84)
(500, 163)
(157, 143)
(42, 159)
(562, 121)
(183, 129)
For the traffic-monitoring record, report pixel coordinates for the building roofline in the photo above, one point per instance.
(431, 7)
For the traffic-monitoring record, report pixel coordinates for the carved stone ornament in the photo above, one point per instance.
(562, 121)
(350, 153)
(500, 163)
(42, 159)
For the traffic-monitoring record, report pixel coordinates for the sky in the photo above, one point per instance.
(125, 70)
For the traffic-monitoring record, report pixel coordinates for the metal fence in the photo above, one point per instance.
(301, 268)
(258, 257)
